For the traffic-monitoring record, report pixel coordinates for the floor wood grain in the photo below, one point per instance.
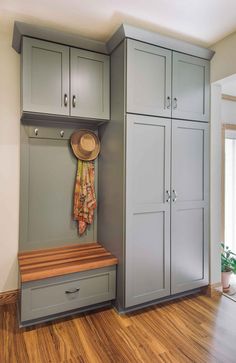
(194, 329)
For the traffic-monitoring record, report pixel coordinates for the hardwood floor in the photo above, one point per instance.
(193, 329)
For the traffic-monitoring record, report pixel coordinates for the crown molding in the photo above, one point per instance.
(124, 31)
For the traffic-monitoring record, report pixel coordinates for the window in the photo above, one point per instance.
(230, 189)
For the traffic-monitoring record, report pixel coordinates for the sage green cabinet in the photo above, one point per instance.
(45, 77)
(157, 177)
(60, 80)
(43, 300)
(148, 79)
(167, 197)
(89, 84)
(147, 209)
(190, 205)
(161, 82)
(191, 79)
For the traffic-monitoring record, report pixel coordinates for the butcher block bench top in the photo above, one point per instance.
(42, 264)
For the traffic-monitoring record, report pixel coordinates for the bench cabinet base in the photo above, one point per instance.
(53, 297)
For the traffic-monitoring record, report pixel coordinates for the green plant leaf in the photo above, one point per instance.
(228, 261)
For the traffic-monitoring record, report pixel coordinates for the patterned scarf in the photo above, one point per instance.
(84, 196)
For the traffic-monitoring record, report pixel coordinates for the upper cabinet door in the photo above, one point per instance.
(45, 77)
(90, 86)
(148, 79)
(190, 93)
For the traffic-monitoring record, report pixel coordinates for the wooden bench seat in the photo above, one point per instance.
(42, 264)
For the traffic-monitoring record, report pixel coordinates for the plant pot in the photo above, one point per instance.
(225, 278)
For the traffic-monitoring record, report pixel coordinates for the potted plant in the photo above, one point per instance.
(228, 265)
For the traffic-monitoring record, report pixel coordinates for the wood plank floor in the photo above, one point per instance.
(193, 329)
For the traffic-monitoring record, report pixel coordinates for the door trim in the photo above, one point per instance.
(223, 131)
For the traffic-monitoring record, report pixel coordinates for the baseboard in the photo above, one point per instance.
(213, 290)
(121, 310)
(8, 297)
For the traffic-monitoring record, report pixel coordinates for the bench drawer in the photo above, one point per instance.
(50, 296)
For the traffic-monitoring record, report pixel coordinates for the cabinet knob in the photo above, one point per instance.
(168, 104)
(36, 131)
(62, 133)
(74, 101)
(175, 103)
(65, 100)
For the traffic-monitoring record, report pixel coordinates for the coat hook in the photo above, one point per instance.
(62, 133)
(36, 131)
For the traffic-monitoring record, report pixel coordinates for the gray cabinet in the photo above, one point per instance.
(191, 78)
(189, 210)
(59, 83)
(42, 300)
(147, 209)
(154, 187)
(148, 79)
(45, 77)
(165, 216)
(157, 183)
(89, 84)
(152, 70)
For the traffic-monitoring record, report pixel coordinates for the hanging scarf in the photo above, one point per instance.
(84, 196)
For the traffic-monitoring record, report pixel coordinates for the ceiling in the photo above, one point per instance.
(202, 22)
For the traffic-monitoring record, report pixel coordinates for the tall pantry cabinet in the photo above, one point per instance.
(153, 173)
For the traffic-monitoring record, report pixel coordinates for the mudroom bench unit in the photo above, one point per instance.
(146, 98)
(59, 281)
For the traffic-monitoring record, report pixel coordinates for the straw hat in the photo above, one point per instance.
(85, 145)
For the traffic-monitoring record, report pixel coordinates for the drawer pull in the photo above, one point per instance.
(72, 291)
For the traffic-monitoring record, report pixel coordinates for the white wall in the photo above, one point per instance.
(9, 157)
(223, 63)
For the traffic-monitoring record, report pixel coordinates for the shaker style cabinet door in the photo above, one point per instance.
(148, 79)
(45, 77)
(189, 209)
(147, 209)
(90, 86)
(190, 92)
